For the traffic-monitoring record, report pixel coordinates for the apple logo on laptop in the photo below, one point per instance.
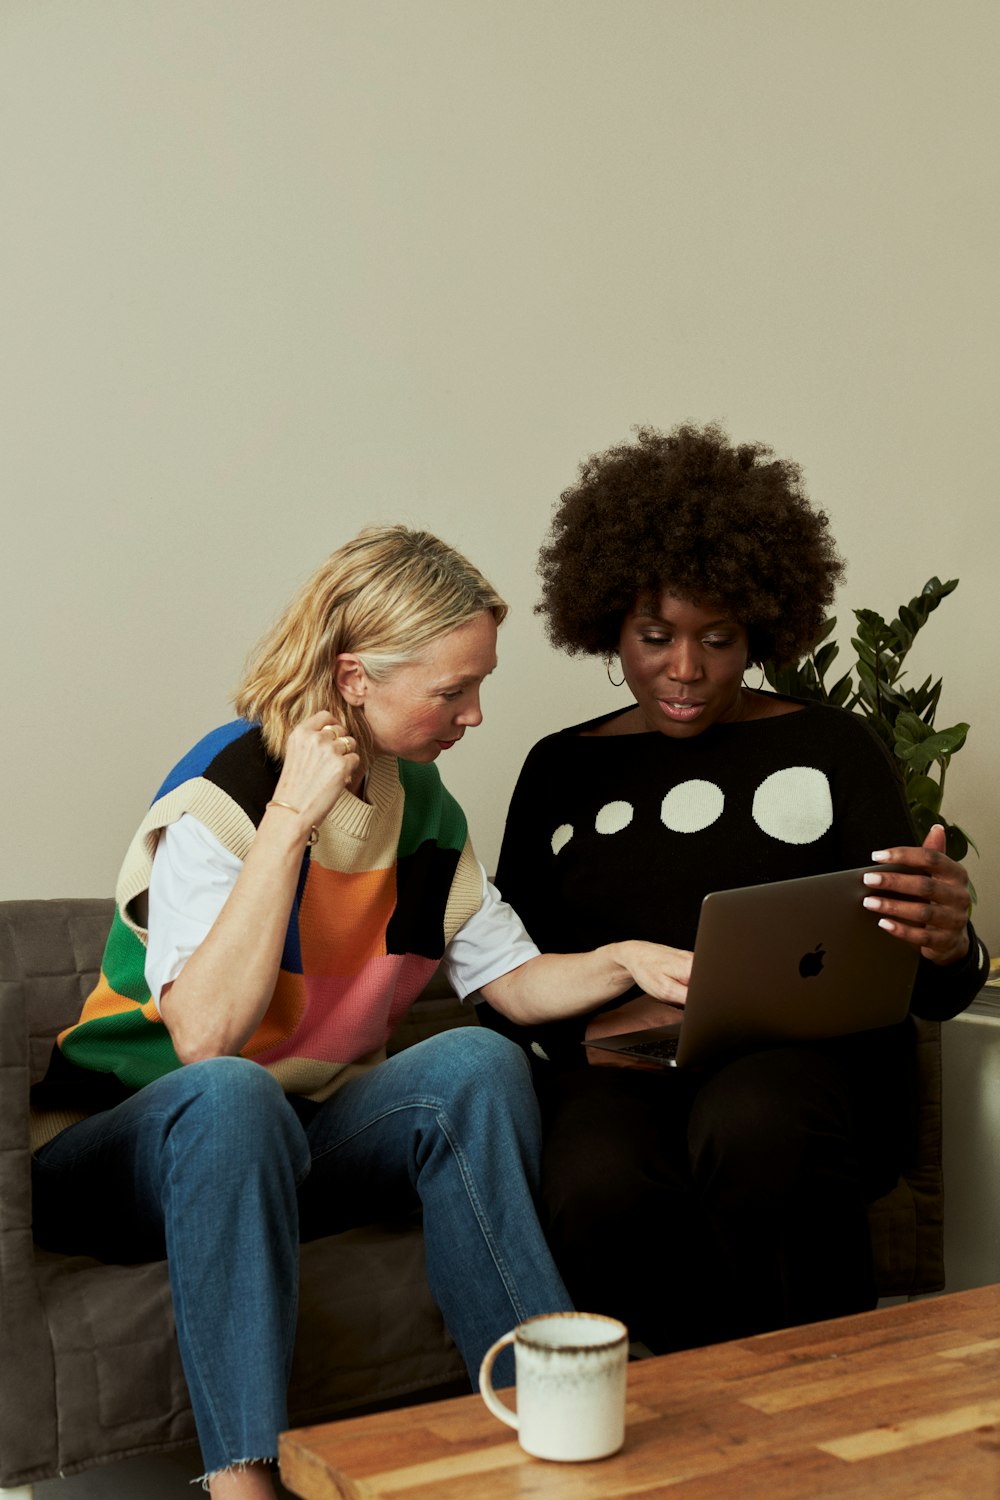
(810, 964)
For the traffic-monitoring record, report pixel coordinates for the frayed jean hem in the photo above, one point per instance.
(241, 1463)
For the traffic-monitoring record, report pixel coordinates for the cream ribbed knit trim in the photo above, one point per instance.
(207, 802)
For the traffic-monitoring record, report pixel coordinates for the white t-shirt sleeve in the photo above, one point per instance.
(489, 944)
(193, 874)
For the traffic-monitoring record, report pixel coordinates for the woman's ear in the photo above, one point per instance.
(351, 679)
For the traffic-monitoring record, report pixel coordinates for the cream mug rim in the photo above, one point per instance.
(522, 1336)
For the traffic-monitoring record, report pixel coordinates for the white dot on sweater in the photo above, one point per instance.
(613, 817)
(561, 837)
(794, 805)
(692, 806)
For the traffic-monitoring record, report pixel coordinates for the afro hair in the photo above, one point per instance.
(689, 514)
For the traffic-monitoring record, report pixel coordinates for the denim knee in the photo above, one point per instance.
(243, 1109)
(229, 1082)
(470, 1055)
(482, 1082)
(485, 1049)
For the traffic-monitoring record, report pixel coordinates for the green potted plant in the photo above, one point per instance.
(902, 717)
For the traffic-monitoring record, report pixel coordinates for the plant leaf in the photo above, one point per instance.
(936, 745)
(902, 717)
(841, 691)
(824, 656)
(956, 843)
(924, 791)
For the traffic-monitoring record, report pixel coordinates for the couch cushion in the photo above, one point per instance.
(368, 1332)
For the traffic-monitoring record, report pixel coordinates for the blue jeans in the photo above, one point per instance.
(214, 1166)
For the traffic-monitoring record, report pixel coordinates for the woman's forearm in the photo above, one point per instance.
(558, 985)
(221, 995)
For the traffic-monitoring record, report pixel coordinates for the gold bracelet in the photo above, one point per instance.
(313, 832)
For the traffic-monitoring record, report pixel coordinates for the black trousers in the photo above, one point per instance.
(700, 1207)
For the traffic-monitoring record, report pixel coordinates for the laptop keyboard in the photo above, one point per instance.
(663, 1049)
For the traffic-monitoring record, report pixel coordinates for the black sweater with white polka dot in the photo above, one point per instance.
(621, 836)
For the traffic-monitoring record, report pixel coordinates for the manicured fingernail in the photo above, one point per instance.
(880, 854)
(870, 879)
(872, 903)
(889, 926)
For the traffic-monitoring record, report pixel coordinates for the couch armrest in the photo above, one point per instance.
(27, 1390)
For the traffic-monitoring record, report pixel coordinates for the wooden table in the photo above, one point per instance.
(902, 1402)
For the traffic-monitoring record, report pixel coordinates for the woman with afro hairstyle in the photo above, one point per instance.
(743, 1186)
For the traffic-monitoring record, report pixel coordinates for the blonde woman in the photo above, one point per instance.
(297, 880)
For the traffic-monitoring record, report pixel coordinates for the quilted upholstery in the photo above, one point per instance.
(91, 1372)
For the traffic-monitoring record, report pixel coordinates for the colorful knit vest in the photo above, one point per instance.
(379, 897)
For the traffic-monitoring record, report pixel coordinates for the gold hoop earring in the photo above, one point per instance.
(763, 678)
(607, 666)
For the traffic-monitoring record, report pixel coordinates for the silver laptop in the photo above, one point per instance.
(793, 960)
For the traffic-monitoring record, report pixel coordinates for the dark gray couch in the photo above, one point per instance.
(90, 1369)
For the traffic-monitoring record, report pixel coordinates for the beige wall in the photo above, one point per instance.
(272, 269)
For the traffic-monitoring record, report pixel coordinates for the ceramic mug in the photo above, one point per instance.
(570, 1371)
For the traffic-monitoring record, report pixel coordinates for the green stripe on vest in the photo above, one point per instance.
(136, 1050)
(125, 962)
(429, 811)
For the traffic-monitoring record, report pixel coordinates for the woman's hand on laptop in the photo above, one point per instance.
(934, 911)
(660, 971)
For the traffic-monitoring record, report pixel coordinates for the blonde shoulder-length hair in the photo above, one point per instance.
(383, 597)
